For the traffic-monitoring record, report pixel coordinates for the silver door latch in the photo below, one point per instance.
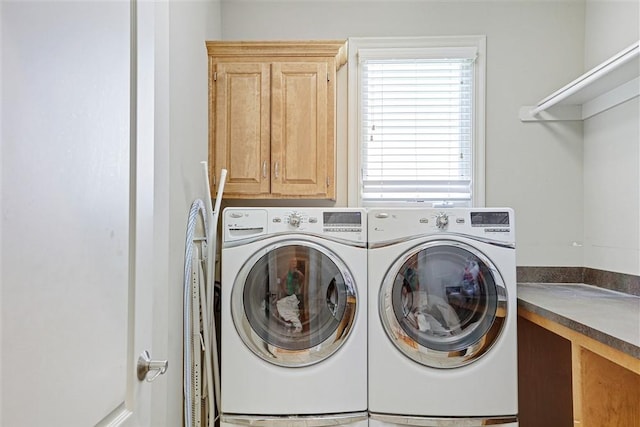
(146, 365)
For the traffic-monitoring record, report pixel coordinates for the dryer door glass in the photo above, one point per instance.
(294, 303)
(443, 304)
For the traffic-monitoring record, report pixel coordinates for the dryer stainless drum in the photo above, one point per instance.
(294, 326)
(442, 317)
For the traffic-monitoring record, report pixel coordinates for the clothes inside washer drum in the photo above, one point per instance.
(288, 309)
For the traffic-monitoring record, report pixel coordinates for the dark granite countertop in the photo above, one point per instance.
(610, 317)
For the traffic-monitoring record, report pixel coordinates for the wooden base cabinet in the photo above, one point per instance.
(568, 379)
(272, 109)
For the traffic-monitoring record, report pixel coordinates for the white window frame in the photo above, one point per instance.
(354, 150)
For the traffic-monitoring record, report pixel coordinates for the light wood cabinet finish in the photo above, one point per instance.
(272, 109)
(567, 378)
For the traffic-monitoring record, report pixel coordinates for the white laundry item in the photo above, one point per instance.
(451, 319)
(423, 324)
(288, 309)
(427, 322)
(427, 307)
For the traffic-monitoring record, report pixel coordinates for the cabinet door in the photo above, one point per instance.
(302, 142)
(242, 127)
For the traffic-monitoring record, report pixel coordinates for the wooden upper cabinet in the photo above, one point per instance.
(272, 118)
(241, 142)
(301, 151)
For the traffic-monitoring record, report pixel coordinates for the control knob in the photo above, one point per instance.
(442, 220)
(295, 219)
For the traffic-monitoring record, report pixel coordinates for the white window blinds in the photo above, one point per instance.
(416, 120)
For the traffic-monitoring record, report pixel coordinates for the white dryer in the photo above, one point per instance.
(293, 317)
(442, 317)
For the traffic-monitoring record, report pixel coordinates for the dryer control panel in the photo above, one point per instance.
(496, 224)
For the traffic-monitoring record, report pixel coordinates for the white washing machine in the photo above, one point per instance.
(293, 317)
(442, 317)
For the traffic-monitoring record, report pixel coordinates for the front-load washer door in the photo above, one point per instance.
(293, 303)
(443, 304)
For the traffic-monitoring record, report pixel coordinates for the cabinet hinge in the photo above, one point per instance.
(215, 76)
(328, 182)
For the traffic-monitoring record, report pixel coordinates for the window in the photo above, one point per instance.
(417, 121)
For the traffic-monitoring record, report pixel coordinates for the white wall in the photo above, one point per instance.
(189, 24)
(533, 48)
(610, 26)
(612, 149)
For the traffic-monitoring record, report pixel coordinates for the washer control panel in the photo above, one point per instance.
(248, 223)
(334, 221)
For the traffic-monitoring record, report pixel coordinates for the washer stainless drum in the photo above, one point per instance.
(294, 326)
(442, 325)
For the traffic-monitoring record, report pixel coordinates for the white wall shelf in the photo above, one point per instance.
(613, 82)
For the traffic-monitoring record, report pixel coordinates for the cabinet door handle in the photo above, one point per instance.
(276, 168)
(264, 169)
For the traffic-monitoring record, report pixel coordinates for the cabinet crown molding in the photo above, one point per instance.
(309, 48)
